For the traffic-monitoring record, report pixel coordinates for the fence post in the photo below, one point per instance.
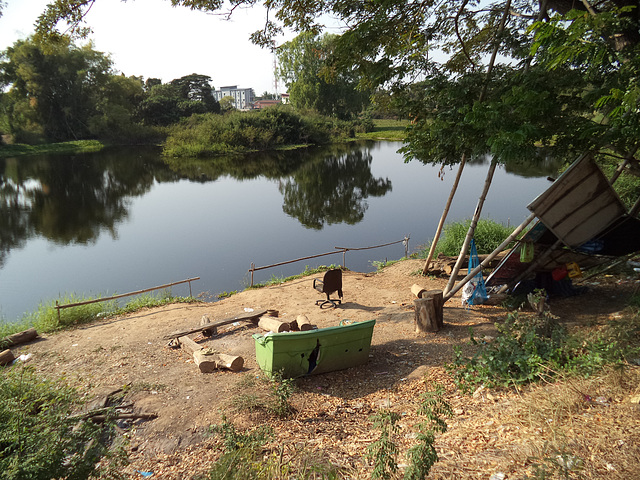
(405, 242)
(253, 266)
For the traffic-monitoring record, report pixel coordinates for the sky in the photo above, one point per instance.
(152, 39)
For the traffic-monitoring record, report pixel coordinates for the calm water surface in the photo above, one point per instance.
(124, 220)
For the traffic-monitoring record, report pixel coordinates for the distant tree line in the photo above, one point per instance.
(57, 91)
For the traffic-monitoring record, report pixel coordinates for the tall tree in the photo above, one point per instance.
(447, 45)
(54, 88)
(313, 84)
(164, 104)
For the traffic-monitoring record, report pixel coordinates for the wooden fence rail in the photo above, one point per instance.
(342, 250)
(115, 297)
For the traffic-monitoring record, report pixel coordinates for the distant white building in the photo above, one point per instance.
(242, 97)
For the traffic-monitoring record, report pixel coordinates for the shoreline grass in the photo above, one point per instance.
(79, 146)
(385, 129)
(45, 317)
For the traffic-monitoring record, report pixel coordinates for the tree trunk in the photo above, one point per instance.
(429, 311)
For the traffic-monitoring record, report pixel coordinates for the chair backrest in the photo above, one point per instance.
(332, 281)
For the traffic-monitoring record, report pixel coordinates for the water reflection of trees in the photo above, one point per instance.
(332, 189)
(71, 199)
(320, 185)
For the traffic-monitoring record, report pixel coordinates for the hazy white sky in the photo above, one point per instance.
(150, 38)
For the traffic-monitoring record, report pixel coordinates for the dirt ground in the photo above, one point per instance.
(491, 433)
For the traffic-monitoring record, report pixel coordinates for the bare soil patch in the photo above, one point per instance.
(491, 432)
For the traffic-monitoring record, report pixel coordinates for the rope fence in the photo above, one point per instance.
(115, 297)
(342, 250)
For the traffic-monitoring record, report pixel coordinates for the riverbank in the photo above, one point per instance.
(505, 431)
(79, 146)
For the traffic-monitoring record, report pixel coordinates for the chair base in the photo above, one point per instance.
(335, 303)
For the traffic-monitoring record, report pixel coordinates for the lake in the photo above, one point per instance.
(123, 219)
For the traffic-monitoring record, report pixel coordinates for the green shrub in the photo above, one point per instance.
(488, 236)
(530, 348)
(384, 450)
(39, 439)
(422, 456)
(210, 135)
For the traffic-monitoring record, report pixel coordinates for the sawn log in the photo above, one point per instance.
(207, 360)
(6, 357)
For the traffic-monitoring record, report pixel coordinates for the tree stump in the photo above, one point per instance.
(429, 311)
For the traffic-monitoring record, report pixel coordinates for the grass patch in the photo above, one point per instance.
(531, 348)
(488, 235)
(394, 130)
(45, 317)
(39, 437)
(79, 146)
(270, 395)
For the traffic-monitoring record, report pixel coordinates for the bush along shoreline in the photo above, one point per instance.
(209, 135)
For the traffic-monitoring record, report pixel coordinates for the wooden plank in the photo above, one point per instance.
(244, 317)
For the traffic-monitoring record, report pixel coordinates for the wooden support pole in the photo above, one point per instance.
(490, 257)
(429, 311)
(472, 227)
(443, 218)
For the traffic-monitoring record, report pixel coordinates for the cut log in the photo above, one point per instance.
(206, 363)
(417, 290)
(251, 316)
(20, 337)
(301, 323)
(207, 360)
(271, 324)
(6, 357)
(429, 311)
(230, 362)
